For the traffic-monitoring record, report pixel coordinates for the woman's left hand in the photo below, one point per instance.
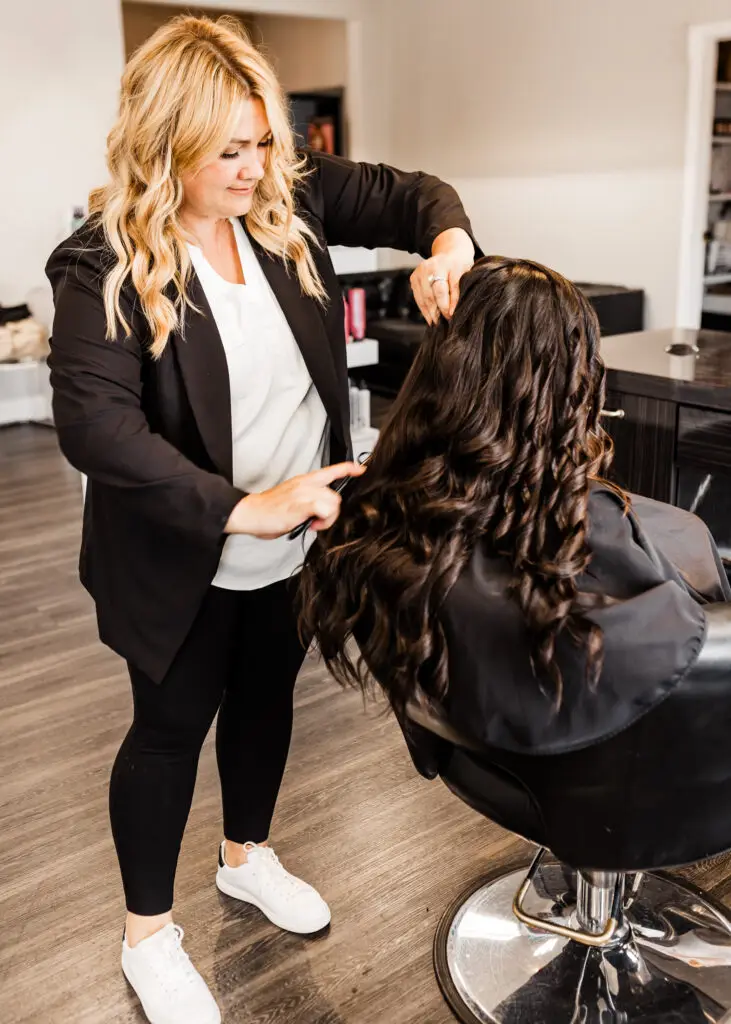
(435, 282)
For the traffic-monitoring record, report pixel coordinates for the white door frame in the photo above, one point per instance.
(702, 43)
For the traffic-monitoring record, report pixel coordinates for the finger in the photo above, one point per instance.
(440, 290)
(418, 293)
(424, 296)
(326, 475)
(325, 505)
(325, 524)
(453, 292)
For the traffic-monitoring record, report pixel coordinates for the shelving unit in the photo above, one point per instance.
(363, 353)
(717, 279)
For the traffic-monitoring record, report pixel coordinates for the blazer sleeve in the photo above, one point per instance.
(374, 205)
(97, 410)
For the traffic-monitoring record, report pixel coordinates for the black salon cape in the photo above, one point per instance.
(657, 564)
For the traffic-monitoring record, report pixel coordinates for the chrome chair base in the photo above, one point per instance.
(672, 966)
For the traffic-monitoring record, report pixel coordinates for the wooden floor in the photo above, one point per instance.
(387, 849)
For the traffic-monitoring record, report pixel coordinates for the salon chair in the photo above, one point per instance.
(593, 932)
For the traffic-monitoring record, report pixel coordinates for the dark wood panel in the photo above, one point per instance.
(704, 437)
(644, 443)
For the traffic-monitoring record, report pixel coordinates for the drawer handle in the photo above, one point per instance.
(616, 414)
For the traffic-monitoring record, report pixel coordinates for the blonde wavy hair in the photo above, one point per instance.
(180, 100)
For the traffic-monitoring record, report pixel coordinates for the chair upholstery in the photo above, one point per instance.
(656, 795)
(583, 939)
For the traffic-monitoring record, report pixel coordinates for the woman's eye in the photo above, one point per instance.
(266, 143)
(229, 156)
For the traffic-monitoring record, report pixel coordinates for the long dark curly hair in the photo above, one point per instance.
(492, 440)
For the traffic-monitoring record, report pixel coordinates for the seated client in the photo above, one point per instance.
(483, 560)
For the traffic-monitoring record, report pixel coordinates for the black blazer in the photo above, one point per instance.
(154, 438)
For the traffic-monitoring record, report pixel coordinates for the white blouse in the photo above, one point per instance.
(279, 424)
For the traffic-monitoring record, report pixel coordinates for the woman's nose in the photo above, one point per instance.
(254, 169)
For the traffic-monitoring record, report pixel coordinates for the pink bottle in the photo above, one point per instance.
(346, 312)
(357, 303)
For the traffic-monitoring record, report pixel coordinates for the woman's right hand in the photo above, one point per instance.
(279, 510)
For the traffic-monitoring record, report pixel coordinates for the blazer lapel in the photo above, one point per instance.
(205, 370)
(308, 328)
(205, 374)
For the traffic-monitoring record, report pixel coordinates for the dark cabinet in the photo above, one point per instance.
(703, 461)
(672, 388)
(643, 431)
(675, 453)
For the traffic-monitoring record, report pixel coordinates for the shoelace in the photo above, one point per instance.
(172, 955)
(290, 885)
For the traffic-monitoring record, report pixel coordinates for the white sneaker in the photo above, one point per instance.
(287, 901)
(166, 982)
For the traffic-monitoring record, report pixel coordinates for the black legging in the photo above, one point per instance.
(242, 656)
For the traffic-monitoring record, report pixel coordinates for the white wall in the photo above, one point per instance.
(619, 227)
(59, 80)
(59, 76)
(562, 124)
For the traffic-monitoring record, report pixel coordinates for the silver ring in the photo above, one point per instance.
(435, 277)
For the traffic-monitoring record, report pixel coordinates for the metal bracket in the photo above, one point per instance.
(541, 924)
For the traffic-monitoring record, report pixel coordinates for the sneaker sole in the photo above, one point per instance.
(236, 894)
(151, 1019)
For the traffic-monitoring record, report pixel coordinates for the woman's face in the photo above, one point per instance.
(225, 186)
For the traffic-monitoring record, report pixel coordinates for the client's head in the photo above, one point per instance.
(492, 440)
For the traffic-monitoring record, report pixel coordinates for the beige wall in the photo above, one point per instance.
(308, 53)
(59, 82)
(298, 8)
(532, 87)
(562, 123)
(369, 42)
(59, 77)
(141, 20)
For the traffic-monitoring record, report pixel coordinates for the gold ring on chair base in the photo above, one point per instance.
(672, 965)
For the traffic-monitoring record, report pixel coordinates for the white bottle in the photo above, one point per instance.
(364, 408)
(354, 406)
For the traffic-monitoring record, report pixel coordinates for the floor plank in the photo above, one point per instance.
(387, 849)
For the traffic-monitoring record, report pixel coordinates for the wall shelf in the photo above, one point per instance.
(362, 353)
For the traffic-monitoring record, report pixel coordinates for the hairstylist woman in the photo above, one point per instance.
(199, 375)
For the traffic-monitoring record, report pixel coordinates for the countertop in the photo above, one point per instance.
(665, 364)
